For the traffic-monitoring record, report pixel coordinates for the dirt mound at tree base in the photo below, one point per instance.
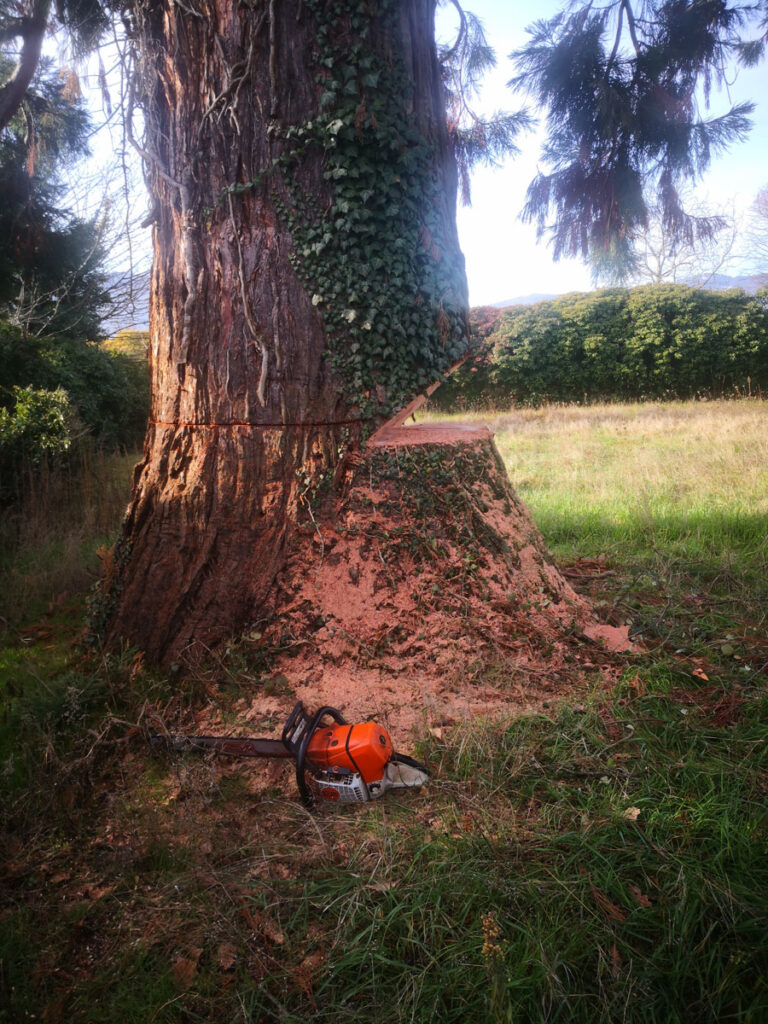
(420, 592)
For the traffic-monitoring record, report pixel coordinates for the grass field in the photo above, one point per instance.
(606, 861)
(685, 481)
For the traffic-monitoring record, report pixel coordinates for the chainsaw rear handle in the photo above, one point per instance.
(410, 761)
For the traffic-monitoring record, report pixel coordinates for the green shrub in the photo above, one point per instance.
(651, 342)
(41, 425)
(110, 393)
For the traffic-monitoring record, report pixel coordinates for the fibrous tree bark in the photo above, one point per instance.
(307, 283)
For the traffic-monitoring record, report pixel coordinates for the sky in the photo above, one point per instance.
(504, 259)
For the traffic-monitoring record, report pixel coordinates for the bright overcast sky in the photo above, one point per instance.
(504, 260)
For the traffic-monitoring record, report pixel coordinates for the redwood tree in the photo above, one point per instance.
(307, 278)
(307, 283)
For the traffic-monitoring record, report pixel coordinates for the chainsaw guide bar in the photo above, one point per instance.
(334, 762)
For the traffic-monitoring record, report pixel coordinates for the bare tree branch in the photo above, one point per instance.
(450, 54)
(626, 7)
(757, 234)
(666, 257)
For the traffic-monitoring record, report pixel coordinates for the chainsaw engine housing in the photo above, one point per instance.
(345, 763)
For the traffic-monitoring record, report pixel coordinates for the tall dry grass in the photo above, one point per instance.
(50, 531)
(682, 480)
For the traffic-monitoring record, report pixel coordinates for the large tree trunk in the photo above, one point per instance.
(284, 141)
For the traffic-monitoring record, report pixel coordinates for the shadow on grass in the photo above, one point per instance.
(715, 540)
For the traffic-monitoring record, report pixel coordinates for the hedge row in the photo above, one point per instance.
(56, 389)
(651, 342)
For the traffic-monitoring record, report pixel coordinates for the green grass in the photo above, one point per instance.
(558, 906)
(133, 344)
(606, 861)
(645, 483)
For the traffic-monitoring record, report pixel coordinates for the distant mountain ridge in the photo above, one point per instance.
(135, 314)
(750, 283)
(131, 303)
(525, 300)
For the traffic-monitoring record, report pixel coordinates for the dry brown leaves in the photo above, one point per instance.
(611, 911)
(185, 967)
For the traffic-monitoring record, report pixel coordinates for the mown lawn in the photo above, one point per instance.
(605, 861)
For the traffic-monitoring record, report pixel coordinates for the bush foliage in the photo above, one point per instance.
(54, 387)
(619, 344)
(41, 424)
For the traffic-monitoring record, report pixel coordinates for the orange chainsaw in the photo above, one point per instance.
(334, 762)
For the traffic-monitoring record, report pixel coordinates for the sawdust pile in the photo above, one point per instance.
(420, 593)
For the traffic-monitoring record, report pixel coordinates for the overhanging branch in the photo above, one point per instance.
(461, 34)
(32, 30)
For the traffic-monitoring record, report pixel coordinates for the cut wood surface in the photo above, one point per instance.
(429, 433)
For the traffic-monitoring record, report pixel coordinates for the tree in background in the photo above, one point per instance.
(50, 279)
(757, 235)
(476, 140)
(622, 85)
(658, 256)
(56, 386)
(23, 27)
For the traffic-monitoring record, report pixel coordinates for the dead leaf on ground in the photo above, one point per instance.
(610, 909)
(185, 968)
(137, 665)
(637, 687)
(307, 969)
(611, 726)
(631, 813)
(97, 892)
(639, 896)
(381, 886)
(227, 955)
(261, 923)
